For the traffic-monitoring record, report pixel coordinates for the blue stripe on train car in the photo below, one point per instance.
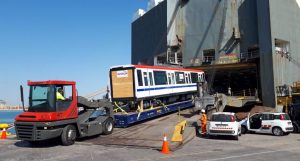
(159, 88)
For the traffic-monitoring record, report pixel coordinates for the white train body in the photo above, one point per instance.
(139, 82)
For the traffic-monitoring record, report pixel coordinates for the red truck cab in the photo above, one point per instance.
(49, 116)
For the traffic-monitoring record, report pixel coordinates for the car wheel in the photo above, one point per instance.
(68, 135)
(243, 130)
(296, 130)
(277, 131)
(108, 126)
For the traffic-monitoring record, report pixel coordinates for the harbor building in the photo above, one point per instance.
(2, 104)
(240, 44)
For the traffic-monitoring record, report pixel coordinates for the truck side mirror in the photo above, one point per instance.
(22, 97)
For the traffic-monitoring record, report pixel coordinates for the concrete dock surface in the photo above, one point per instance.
(150, 134)
(136, 144)
(250, 147)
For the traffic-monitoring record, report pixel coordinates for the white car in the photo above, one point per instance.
(277, 124)
(224, 123)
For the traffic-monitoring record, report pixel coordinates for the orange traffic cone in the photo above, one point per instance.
(165, 146)
(3, 135)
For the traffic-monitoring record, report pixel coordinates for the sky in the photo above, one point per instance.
(77, 40)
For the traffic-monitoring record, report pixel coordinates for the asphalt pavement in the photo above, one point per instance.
(250, 147)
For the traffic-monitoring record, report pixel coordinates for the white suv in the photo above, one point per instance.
(224, 123)
(269, 123)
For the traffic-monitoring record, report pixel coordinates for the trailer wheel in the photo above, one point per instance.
(108, 126)
(68, 135)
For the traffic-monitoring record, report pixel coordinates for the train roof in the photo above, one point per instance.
(156, 67)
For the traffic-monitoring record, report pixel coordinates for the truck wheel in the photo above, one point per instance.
(108, 126)
(277, 131)
(68, 135)
(243, 130)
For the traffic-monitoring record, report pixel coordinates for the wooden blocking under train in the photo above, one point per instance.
(122, 83)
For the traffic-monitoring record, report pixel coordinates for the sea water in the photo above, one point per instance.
(8, 116)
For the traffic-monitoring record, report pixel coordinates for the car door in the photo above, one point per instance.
(255, 122)
(267, 123)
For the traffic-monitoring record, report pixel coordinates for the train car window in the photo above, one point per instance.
(145, 78)
(169, 78)
(140, 79)
(189, 75)
(173, 78)
(160, 77)
(186, 78)
(179, 77)
(202, 77)
(194, 77)
(151, 78)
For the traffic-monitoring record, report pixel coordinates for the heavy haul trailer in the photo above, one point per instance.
(141, 92)
(50, 116)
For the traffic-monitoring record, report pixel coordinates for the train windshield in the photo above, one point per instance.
(42, 98)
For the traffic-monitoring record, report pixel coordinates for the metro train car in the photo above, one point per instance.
(145, 83)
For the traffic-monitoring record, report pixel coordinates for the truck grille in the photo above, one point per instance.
(25, 132)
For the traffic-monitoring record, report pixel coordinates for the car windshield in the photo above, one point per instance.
(42, 98)
(223, 118)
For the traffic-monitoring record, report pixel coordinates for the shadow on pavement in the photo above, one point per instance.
(38, 144)
(197, 128)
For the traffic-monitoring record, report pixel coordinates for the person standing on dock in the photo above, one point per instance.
(203, 122)
(229, 91)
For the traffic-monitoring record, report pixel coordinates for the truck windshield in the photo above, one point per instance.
(223, 118)
(42, 98)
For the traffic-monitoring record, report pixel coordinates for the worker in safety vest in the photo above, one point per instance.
(60, 95)
(203, 122)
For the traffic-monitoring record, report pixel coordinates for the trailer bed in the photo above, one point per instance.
(125, 120)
